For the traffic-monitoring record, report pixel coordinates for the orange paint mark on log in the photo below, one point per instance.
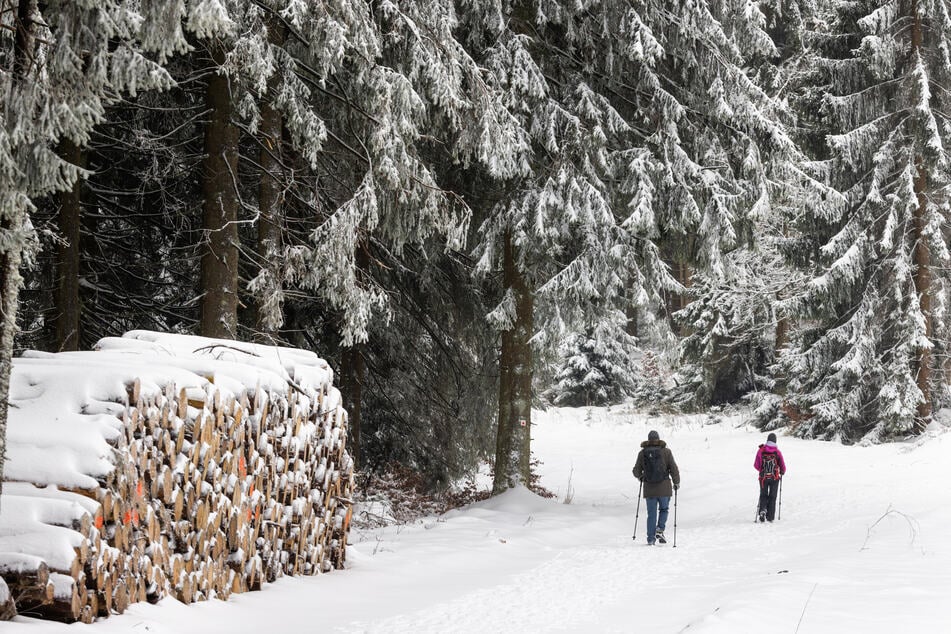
(99, 522)
(127, 518)
(139, 489)
(242, 467)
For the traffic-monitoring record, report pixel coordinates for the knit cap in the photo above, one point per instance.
(653, 435)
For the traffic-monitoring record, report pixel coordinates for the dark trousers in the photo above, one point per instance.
(656, 522)
(767, 498)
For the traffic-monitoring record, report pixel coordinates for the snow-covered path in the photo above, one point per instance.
(861, 547)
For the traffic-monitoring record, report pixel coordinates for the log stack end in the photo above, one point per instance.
(224, 477)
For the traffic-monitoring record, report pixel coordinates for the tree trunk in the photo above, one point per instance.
(352, 377)
(67, 310)
(219, 262)
(270, 222)
(678, 301)
(23, 38)
(353, 370)
(922, 257)
(12, 221)
(782, 331)
(504, 476)
(685, 277)
(513, 440)
(922, 276)
(631, 311)
(10, 282)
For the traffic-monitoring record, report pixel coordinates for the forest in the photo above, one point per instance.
(472, 208)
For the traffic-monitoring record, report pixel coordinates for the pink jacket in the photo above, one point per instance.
(767, 448)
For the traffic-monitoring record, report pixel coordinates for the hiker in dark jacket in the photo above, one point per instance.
(771, 467)
(655, 468)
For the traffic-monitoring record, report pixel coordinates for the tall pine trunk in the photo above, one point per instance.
(219, 262)
(13, 221)
(922, 258)
(353, 374)
(513, 449)
(513, 441)
(680, 271)
(10, 282)
(270, 221)
(67, 308)
(352, 377)
(632, 312)
(782, 330)
(922, 278)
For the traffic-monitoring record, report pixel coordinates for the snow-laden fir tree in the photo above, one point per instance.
(245, 58)
(60, 63)
(594, 370)
(430, 371)
(870, 356)
(304, 63)
(724, 169)
(548, 233)
(651, 142)
(236, 72)
(399, 85)
(732, 330)
(399, 99)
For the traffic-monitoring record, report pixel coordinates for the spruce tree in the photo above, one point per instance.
(650, 141)
(737, 171)
(874, 309)
(596, 369)
(60, 64)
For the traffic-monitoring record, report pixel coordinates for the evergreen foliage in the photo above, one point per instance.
(874, 311)
(59, 68)
(595, 370)
(452, 199)
(730, 345)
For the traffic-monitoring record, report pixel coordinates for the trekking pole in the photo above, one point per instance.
(638, 512)
(675, 518)
(779, 513)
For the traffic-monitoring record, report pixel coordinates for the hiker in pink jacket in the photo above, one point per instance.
(771, 467)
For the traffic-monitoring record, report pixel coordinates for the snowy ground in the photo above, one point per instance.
(862, 546)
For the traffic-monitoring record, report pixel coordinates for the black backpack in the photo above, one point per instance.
(655, 470)
(769, 466)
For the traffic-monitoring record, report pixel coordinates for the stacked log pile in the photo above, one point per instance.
(229, 477)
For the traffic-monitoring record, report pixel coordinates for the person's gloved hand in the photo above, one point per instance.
(676, 486)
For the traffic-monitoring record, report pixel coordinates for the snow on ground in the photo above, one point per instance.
(861, 546)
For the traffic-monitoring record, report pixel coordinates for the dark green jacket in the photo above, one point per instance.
(662, 488)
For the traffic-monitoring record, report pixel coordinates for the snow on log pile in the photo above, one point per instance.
(168, 465)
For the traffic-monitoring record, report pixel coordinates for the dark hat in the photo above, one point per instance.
(653, 436)
(771, 438)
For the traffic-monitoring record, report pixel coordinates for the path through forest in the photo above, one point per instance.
(861, 547)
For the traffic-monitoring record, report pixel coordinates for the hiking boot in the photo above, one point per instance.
(762, 516)
(659, 536)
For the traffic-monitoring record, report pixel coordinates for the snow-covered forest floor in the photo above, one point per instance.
(862, 546)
